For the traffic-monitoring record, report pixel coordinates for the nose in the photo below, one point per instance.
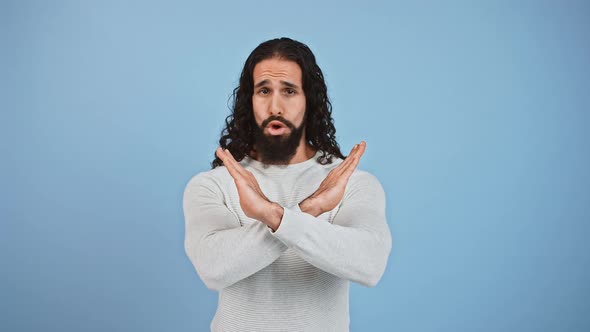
(276, 107)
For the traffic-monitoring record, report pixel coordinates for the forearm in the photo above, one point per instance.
(221, 248)
(224, 257)
(355, 245)
(354, 253)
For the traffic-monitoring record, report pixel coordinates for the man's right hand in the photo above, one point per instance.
(252, 200)
(331, 190)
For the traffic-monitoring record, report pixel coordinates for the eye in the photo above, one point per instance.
(290, 91)
(263, 91)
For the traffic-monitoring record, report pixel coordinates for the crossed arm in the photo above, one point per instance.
(256, 205)
(222, 251)
(355, 246)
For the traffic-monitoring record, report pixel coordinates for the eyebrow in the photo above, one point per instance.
(285, 83)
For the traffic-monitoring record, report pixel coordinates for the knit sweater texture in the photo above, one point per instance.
(296, 278)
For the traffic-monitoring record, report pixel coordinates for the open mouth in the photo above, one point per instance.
(276, 128)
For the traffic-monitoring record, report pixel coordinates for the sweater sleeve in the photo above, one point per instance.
(222, 251)
(356, 245)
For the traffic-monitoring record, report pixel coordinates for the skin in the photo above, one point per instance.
(275, 97)
(278, 90)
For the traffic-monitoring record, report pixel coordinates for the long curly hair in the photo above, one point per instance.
(320, 133)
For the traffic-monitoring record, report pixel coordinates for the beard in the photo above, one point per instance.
(280, 149)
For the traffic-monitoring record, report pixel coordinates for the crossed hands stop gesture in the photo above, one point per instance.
(257, 206)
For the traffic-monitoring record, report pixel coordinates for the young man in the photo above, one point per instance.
(277, 226)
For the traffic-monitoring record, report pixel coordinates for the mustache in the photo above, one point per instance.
(277, 118)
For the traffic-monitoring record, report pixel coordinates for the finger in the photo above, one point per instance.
(238, 167)
(224, 158)
(360, 149)
(348, 158)
(356, 156)
(227, 159)
(239, 172)
(243, 174)
(355, 159)
(219, 153)
(358, 152)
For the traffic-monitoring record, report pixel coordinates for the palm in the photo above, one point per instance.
(252, 200)
(331, 190)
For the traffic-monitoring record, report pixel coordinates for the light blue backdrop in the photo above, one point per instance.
(476, 119)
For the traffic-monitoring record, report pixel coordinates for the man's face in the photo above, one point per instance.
(278, 102)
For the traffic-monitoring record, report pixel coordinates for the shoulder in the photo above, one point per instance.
(364, 186)
(364, 179)
(212, 180)
(364, 190)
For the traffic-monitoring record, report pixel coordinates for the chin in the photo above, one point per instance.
(277, 137)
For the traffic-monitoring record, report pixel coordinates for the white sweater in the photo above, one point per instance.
(297, 278)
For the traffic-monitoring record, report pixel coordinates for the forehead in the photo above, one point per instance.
(277, 69)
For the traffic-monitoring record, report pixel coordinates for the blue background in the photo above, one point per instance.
(476, 120)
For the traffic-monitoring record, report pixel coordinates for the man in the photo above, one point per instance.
(277, 226)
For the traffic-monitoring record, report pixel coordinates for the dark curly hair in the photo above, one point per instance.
(238, 136)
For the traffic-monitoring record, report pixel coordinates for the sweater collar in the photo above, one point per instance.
(248, 161)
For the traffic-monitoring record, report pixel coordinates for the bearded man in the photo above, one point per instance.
(283, 221)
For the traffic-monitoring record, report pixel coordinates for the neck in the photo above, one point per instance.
(304, 152)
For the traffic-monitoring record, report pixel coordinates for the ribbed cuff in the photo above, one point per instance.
(290, 228)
